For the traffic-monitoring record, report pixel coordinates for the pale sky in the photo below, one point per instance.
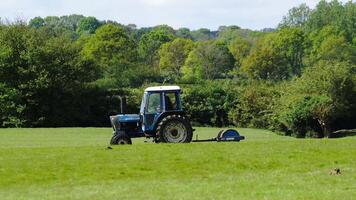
(193, 14)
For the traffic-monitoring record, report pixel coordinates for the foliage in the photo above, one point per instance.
(208, 104)
(184, 33)
(330, 44)
(40, 69)
(112, 49)
(254, 105)
(278, 56)
(151, 42)
(10, 110)
(240, 49)
(202, 34)
(297, 16)
(172, 57)
(322, 99)
(88, 25)
(208, 61)
(336, 14)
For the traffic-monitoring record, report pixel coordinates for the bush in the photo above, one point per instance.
(319, 100)
(254, 104)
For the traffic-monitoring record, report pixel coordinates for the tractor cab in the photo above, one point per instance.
(161, 117)
(158, 101)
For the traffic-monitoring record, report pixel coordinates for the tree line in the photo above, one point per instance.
(297, 79)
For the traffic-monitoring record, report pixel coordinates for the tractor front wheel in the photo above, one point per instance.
(120, 139)
(174, 129)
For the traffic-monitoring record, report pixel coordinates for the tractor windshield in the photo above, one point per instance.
(154, 103)
(142, 108)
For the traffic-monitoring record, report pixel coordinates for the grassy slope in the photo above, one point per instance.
(74, 164)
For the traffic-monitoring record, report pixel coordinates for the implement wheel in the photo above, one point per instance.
(174, 129)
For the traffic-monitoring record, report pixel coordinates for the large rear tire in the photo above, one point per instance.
(174, 129)
(120, 139)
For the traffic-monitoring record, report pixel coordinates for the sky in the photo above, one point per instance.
(193, 14)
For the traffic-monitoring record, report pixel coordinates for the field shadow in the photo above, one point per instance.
(343, 133)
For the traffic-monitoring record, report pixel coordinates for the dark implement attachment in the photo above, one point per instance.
(229, 135)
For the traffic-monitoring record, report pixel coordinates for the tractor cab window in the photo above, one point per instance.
(154, 103)
(171, 101)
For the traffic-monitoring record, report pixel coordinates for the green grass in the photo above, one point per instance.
(73, 163)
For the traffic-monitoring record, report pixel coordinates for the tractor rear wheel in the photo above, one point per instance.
(174, 129)
(120, 139)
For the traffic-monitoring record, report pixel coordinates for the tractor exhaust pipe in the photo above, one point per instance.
(122, 105)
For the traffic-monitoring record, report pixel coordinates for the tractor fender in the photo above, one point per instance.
(165, 114)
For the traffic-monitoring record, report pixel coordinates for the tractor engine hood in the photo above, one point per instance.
(116, 120)
(128, 118)
(122, 118)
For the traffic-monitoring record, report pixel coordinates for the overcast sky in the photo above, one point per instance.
(253, 14)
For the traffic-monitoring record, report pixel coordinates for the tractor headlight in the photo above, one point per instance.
(112, 121)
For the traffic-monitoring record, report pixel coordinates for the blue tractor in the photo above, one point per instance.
(161, 117)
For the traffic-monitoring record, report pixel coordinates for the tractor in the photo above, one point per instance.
(161, 117)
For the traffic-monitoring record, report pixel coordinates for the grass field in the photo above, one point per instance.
(73, 163)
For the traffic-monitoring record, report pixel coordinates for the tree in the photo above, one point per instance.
(207, 103)
(321, 100)
(229, 33)
(43, 73)
(184, 33)
(202, 34)
(111, 48)
(335, 14)
(172, 57)
(88, 25)
(265, 62)
(330, 44)
(10, 110)
(278, 56)
(296, 17)
(151, 42)
(254, 104)
(208, 61)
(37, 22)
(240, 49)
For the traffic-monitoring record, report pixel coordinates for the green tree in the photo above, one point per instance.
(296, 17)
(184, 33)
(88, 25)
(10, 110)
(240, 49)
(209, 60)
(112, 49)
(278, 56)
(37, 22)
(151, 42)
(229, 33)
(321, 100)
(42, 71)
(172, 57)
(336, 14)
(202, 34)
(330, 44)
(254, 104)
(208, 103)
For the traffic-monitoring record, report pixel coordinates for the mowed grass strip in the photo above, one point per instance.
(73, 163)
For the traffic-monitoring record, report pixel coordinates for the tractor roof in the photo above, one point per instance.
(162, 88)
